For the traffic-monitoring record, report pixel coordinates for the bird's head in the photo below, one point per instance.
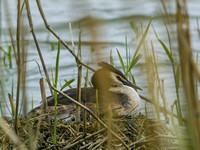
(109, 77)
(121, 94)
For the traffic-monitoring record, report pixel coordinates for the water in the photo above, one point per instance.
(111, 27)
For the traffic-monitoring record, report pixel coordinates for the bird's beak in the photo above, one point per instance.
(128, 83)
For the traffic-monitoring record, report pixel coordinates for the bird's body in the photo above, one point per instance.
(111, 89)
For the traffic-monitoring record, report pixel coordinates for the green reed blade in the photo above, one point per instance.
(55, 94)
(67, 83)
(133, 62)
(176, 73)
(134, 27)
(133, 78)
(127, 54)
(169, 54)
(121, 60)
(52, 46)
(137, 56)
(10, 56)
(177, 77)
(32, 103)
(143, 38)
(57, 64)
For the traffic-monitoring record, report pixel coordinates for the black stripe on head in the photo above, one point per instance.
(120, 76)
(111, 68)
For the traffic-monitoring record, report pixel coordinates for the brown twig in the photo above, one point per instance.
(12, 104)
(18, 64)
(162, 109)
(99, 143)
(8, 130)
(44, 101)
(78, 96)
(78, 111)
(35, 40)
(55, 34)
(81, 140)
(91, 113)
(23, 56)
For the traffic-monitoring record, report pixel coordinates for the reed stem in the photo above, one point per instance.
(18, 64)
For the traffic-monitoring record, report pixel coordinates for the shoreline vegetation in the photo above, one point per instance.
(175, 127)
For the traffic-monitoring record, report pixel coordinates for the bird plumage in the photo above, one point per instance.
(115, 92)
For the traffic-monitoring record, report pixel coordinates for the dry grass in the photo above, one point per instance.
(138, 133)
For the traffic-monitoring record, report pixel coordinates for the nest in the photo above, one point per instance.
(136, 133)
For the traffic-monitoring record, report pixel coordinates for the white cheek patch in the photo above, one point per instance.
(133, 100)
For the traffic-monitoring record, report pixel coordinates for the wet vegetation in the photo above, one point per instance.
(174, 127)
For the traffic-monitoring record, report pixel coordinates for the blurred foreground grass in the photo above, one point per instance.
(173, 128)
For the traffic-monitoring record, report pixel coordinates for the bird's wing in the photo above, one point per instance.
(87, 95)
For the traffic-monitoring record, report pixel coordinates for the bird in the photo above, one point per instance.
(111, 88)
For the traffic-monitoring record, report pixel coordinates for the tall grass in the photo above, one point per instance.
(185, 72)
(176, 74)
(188, 72)
(55, 93)
(18, 35)
(79, 81)
(137, 56)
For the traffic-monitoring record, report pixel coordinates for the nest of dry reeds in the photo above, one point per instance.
(137, 133)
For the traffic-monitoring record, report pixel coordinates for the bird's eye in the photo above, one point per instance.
(118, 77)
(114, 85)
